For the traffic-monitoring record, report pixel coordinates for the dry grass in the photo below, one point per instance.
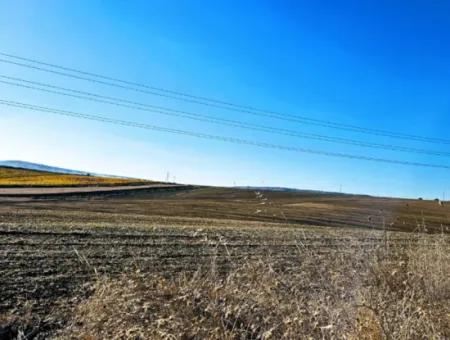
(102, 269)
(11, 177)
(357, 293)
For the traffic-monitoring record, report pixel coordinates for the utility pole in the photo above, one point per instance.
(167, 176)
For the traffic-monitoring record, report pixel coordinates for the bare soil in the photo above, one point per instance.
(40, 192)
(53, 250)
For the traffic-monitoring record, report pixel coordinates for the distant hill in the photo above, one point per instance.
(284, 189)
(40, 167)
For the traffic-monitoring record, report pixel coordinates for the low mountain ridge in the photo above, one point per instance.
(41, 167)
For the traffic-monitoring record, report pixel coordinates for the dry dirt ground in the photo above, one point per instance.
(310, 208)
(54, 250)
(49, 192)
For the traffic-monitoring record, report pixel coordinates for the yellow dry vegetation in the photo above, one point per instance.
(14, 177)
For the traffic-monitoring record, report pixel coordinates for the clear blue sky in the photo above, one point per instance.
(378, 64)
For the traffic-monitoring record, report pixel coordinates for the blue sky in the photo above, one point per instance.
(377, 64)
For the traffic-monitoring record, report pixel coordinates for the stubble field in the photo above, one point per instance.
(224, 263)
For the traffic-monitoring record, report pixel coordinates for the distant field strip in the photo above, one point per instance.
(30, 191)
(12, 177)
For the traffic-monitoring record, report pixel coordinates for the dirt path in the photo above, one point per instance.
(80, 190)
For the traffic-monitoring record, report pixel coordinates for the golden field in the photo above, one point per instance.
(14, 177)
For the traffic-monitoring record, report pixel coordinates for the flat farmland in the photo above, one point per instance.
(59, 254)
(303, 207)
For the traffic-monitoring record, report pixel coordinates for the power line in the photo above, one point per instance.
(158, 91)
(201, 135)
(210, 119)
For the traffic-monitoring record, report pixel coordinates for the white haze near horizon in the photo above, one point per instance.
(77, 145)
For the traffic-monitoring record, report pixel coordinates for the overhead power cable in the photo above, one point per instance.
(162, 92)
(201, 135)
(84, 95)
